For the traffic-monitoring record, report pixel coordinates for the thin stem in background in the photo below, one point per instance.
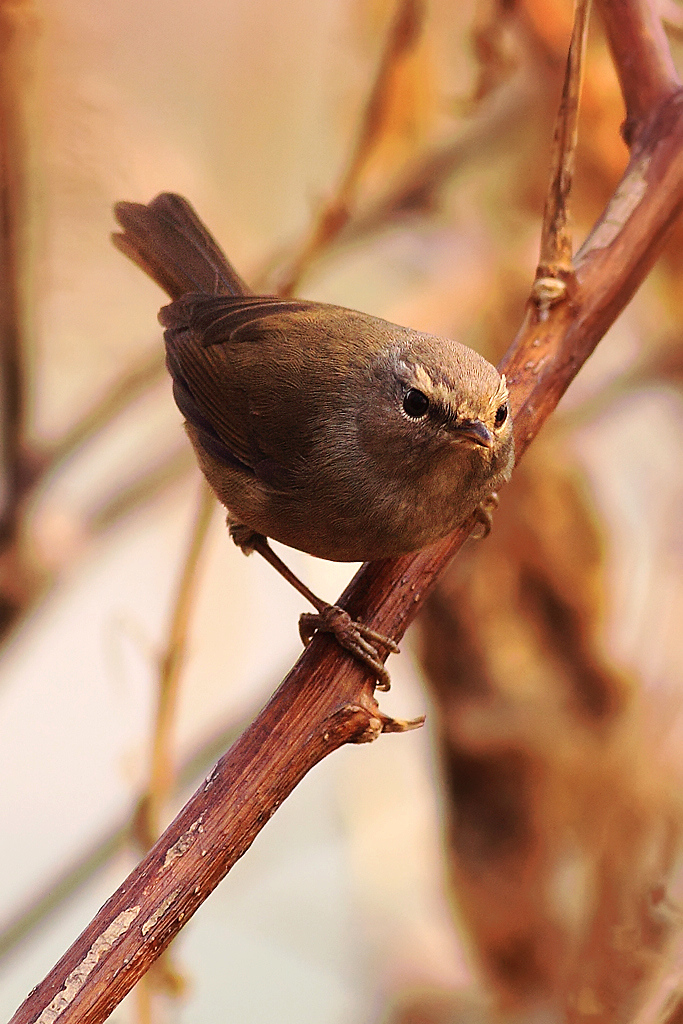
(13, 237)
(162, 774)
(127, 389)
(556, 252)
(403, 36)
(166, 976)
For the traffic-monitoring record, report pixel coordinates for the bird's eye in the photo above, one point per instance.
(415, 403)
(501, 415)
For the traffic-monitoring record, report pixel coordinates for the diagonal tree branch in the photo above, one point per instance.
(326, 700)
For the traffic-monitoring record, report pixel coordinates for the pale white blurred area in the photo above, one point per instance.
(247, 109)
(338, 897)
(221, 102)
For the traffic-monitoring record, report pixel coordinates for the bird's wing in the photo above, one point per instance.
(237, 365)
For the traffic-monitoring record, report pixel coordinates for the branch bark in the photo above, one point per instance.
(642, 57)
(326, 700)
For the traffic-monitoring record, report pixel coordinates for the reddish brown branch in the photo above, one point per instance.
(647, 74)
(556, 237)
(303, 722)
(326, 700)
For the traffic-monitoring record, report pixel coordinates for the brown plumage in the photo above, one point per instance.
(330, 430)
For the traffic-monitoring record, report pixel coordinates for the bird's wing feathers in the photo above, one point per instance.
(213, 318)
(226, 358)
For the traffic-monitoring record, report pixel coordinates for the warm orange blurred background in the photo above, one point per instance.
(521, 853)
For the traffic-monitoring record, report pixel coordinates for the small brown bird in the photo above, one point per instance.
(329, 430)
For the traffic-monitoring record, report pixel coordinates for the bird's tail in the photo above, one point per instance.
(169, 242)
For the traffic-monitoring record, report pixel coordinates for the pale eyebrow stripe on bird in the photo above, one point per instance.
(501, 396)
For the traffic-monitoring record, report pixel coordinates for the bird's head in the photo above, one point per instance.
(440, 402)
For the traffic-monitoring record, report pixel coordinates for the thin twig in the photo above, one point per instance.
(13, 314)
(167, 976)
(417, 187)
(142, 488)
(162, 774)
(128, 388)
(403, 35)
(555, 260)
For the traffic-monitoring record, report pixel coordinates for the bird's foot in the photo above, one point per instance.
(359, 640)
(483, 517)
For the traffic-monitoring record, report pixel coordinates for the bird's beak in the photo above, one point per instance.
(474, 430)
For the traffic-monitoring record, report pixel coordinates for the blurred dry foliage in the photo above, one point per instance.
(563, 826)
(564, 822)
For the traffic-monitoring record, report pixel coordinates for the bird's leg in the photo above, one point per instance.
(359, 640)
(483, 516)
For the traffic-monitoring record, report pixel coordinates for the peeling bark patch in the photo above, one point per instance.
(75, 981)
(160, 911)
(623, 203)
(182, 845)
